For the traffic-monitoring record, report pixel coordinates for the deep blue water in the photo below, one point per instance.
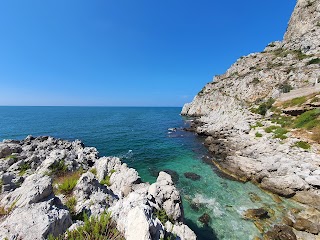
(141, 138)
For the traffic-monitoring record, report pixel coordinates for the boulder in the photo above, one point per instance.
(303, 224)
(181, 230)
(259, 213)
(36, 221)
(35, 188)
(163, 193)
(313, 180)
(280, 232)
(284, 185)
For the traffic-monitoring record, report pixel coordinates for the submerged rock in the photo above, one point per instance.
(204, 218)
(259, 213)
(192, 176)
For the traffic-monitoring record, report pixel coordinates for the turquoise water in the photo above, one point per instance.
(141, 138)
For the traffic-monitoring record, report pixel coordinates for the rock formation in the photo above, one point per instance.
(224, 111)
(47, 184)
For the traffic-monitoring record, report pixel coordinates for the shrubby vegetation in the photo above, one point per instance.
(94, 228)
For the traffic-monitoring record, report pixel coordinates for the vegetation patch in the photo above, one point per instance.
(94, 228)
(271, 128)
(258, 134)
(308, 120)
(295, 102)
(67, 182)
(263, 107)
(162, 216)
(285, 87)
(258, 124)
(14, 157)
(93, 171)
(23, 168)
(106, 180)
(58, 168)
(302, 144)
(280, 133)
(314, 61)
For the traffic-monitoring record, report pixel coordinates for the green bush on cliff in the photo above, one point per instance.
(280, 133)
(265, 106)
(302, 144)
(314, 61)
(308, 120)
(94, 228)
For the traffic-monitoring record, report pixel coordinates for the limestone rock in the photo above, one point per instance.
(36, 221)
(34, 189)
(284, 185)
(164, 193)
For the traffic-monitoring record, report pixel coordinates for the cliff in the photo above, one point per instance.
(259, 76)
(262, 117)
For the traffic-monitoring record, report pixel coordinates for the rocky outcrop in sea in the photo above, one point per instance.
(256, 147)
(48, 185)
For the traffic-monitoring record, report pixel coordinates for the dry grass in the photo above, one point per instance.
(65, 183)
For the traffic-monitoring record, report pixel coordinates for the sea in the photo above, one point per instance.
(152, 139)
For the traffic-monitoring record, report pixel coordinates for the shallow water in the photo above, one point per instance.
(140, 136)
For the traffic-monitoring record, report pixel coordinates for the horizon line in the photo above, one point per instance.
(82, 106)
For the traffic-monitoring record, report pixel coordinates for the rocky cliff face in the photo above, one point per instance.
(47, 184)
(242, 141)
(262, 75)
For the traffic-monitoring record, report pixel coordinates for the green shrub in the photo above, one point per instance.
(106, 180)
(162, 216)
(94, 228)
(280, 133)
(94, 171)
(308, 119)
(11, 157)
(23, 168)
(302, 144)
(258, 134)
(58, 168)
(67, 182)
(71, 204)
(265, 106)
(295, 102)
(270, 128)
(314, 61)
(285, 87)
(284, 121)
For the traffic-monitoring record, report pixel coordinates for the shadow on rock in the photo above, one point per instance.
(203, 233)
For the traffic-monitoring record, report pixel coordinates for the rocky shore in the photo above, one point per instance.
(48, 185)
(238, 114)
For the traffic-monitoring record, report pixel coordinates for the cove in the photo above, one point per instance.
(140, 136)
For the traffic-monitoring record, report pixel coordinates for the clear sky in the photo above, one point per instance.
(127, 52)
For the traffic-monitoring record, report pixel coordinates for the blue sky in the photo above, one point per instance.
(125, 52)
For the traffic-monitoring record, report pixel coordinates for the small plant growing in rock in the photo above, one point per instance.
(93, 171)
(302, 144)
(280, 133)
(23, 168)
(58, 168)
(94, 228)
(14, 157)
(270, 128)
(71, 204)
(285, 87)
(162, 216)
(308, 120)
(66, 183)
(106, 180)
(258, 134)
(314, 61)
